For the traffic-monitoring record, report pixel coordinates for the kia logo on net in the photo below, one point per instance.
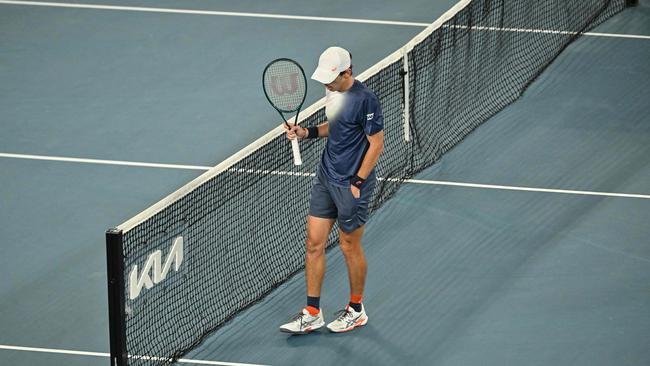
(153, 271)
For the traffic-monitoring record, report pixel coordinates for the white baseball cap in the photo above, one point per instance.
(330, 64)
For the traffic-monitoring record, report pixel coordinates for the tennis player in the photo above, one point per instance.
(341, 189)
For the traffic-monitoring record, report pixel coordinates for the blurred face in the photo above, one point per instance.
(341, 83)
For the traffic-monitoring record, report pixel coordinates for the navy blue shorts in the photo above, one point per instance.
(329, 201)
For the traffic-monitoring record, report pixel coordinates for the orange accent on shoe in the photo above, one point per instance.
(358, 322)
(312, 310)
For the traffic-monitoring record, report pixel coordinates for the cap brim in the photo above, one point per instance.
(324, 76)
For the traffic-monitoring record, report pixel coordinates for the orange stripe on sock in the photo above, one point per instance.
(312, 310)
(355, 299)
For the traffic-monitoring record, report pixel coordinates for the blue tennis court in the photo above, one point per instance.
(525, 244)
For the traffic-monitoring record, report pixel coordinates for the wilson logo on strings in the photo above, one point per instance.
(154, 271)
(284, 84)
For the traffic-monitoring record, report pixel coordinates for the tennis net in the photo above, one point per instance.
(188, 264)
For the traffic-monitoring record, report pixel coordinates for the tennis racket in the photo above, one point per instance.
(285, 86)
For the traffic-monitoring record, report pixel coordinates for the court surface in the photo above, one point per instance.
(458, 274)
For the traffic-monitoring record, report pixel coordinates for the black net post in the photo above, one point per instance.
(629, 3)
(115, 267)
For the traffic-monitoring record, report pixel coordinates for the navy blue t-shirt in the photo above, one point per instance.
(352, 115)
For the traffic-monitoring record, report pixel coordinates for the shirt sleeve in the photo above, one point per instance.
(373, 118)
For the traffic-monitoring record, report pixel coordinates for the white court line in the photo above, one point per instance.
(104, 354)
(548, 31)
(527, 189)
(105, 162)
(211, 12)
(293, 17)
(309, 174)
(50, 350)
(616, 35)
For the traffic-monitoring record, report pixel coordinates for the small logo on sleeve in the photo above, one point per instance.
(369, 116)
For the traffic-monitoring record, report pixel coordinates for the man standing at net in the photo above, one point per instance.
(341, 189)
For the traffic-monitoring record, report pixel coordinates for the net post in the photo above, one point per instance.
(630, 3)
(407, 97)
(116, 314)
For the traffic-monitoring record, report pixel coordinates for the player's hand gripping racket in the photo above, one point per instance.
(285, 86)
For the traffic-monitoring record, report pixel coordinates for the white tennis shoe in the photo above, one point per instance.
(348, 319)
(304, 323)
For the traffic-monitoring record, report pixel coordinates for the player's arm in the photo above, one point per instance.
(321, 130)
(376, 142)
(373, 126)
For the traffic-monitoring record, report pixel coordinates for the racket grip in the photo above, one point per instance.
(297, 159)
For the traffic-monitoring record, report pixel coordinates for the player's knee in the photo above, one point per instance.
(315, 247)
(348, 245)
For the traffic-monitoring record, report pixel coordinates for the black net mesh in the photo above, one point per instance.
(243, 233)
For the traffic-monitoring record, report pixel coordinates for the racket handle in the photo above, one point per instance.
(297, 159)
